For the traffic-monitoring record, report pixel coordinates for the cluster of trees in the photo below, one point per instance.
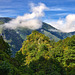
(39, 56)
(7, 66)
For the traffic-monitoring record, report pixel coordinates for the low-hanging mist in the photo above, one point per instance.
(30, 20)
(66, 25)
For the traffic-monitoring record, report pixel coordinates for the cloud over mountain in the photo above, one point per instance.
(29, 20)
(67, 24)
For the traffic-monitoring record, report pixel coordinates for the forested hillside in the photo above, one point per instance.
(15, 37)
(6, 66)
(39, 56)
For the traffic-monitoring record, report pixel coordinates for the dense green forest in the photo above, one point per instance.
(39, 56)
(20, 34)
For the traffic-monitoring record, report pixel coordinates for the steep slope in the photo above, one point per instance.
(17, 36)
(42, 56)
(14, 39)
(5, 19)
(58, 33)
(4, 47)
(46, 29)
(39, 56)
(7, 63)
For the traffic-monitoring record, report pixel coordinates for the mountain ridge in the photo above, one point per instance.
(16, 37)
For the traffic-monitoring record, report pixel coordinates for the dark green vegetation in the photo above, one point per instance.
(17, 36)
(39, 56)
(7, 66)
(14, 40)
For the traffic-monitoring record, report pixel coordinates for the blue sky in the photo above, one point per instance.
(60, 11)
(59, 8)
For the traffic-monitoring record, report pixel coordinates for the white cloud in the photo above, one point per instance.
(56, 9)
(29, 20)
(62, 14)
(66, 25)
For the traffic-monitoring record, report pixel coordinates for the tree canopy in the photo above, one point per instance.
(39, 56)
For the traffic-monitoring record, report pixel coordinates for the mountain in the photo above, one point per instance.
(44, 57)
(39, 56)
(5, 19)
(17, 36)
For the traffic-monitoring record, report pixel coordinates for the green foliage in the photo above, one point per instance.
(44, 66)
(4, 68)
(13, 39)
(4, 46)
(43, 47)
(72, 42)
(67, 54)
(39, 56)
(35, 46)
(42, 55)
(7, 67)
(19, 59)
(17, 36)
